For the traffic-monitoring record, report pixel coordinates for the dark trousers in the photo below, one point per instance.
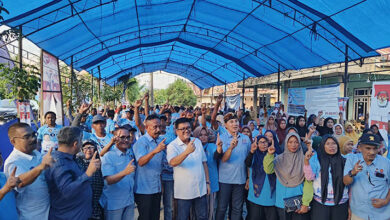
(233, 194)
(148, 206)
(256, 212)
(324, 212)
(199, 206)
(283, 215)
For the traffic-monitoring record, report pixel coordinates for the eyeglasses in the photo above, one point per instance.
(89, 148)
(124, 138)
(183, 129)
(28, 136)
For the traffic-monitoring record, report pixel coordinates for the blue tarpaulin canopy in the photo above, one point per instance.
(209, 42)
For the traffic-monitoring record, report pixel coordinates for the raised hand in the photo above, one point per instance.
(161, 146)
(47, 160)
(253, 147)
(234, 142)
(219, 98)
(94, 164)
(309, 153)
(190, 147)
(146, 96)
(12, 181)
(138, 103)
(271, 149)
(219, 144)
(357, 168)
(203, 109)
(84, 108)
(129, 168)
(308, 141)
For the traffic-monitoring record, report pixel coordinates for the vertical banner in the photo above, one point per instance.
(233, 102)
(296, 101)
(51, 92)
(24, 111)
(342, 101)
(380, 107)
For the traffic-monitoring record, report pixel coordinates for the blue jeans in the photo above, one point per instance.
(234, 193)
(126, 213)
(167, 186)
(199, 205)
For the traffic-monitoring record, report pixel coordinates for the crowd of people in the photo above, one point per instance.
(199, 163)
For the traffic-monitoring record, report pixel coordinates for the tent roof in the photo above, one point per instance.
(210, 42)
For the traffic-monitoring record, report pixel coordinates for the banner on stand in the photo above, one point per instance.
(233, 102)
(342, 101)
(380, 107)
(24, 111)
(51, 98)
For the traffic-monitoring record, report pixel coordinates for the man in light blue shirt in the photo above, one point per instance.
(32, 194)
(110, 123)
(232, 169)
(118, 168)
(47, 134)
(368, 175)
(148, 153)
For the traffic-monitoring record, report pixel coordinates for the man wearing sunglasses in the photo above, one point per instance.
(368, 173)
(32, 193)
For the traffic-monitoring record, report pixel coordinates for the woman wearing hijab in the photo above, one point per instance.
(270, 124)
(271, 136)
(288, 168)
(247, 131)
(338, 130)
(207, 137)
(312, 120)
(327, 128)
(351, 133)
(346, 145)
(326, 170)
(253, 126)
(291, 121)
(301, 127)
(375, 130)
(261, 186)
(281, 131)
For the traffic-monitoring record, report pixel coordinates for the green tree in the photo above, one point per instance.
(160, 96)
(179, 93)
(110, 95)
(133, 88)
(21, 84)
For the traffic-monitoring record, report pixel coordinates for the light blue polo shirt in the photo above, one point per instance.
(101, 141)
(167, 170)
(362, 191)
(48, 137)
(147, 177)
(110, 125)
(233, 171)
(210, 149)
(121, 194)
(266, 198)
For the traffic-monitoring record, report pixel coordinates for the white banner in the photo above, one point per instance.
(51, 99)
(380, 107)
(233, 102)
(323, 99)
(296, 101)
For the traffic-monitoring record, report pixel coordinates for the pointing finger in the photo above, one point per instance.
(50, 150)
(13, 172)
(94, 155)
(163, 141)
(131, 162)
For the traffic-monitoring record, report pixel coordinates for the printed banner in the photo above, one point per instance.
(342, 101)
(24, 111)
(296, 101)
(323, 99)
(51, 98)
(233, 102)
(380, 107)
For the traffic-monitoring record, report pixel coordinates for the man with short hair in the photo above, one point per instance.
(367, 174)
(148, 153)
(190, 172)
(110, 123)
(118, 168)
(32, 194)
(70, 188)
(47, 134)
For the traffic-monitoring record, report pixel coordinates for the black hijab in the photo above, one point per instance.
(301, 130)
(288, 121)
(336, 163)
(324, 129)
(258, 173)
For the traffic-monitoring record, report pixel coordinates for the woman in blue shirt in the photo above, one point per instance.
(207, 137)
(261, 186)
(326, 169)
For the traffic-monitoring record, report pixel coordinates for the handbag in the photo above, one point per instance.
(292, 204)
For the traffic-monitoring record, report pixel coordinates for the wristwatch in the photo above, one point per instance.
(350, 174)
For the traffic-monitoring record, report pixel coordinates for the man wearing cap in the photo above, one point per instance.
(118, 168)
(88, 148)
(367, 174)
(99, 134)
